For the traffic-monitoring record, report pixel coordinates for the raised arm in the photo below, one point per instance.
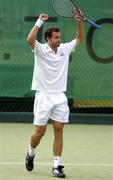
(80, 32)
(80, 29)
(32, 35)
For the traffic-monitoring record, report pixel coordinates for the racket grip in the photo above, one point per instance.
(92, 23)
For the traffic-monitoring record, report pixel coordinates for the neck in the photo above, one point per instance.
(53, 48)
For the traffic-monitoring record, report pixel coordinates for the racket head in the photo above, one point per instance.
(64, 8)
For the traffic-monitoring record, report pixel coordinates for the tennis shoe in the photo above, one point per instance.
(58, 172)
(29, 162)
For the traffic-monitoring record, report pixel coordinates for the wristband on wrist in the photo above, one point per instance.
(39, 23)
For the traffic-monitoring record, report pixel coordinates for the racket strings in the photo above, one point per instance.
(66, 8)
(63, 8)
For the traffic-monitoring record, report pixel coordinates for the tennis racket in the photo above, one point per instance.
(68, 9)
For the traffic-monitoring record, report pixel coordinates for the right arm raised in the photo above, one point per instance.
(32, 35)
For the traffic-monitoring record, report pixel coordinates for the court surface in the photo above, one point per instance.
(87, 153)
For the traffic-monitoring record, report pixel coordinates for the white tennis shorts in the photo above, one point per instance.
(50, 106)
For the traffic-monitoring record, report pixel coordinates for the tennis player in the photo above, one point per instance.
(49, 82)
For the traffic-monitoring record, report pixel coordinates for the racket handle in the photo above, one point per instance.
(92, 23)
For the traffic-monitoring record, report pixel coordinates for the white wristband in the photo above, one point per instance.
(39, 23)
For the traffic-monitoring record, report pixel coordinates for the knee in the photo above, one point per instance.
(40, 133)
(58, 129)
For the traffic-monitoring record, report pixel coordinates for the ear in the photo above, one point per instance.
(48, 39)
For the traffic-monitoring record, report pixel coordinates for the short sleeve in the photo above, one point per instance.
(37, 48)
(70, 46)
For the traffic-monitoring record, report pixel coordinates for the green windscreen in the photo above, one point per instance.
(90, 77)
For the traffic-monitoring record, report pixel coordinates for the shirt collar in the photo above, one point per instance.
(49, 49)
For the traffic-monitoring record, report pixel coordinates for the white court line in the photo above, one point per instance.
(50, 164)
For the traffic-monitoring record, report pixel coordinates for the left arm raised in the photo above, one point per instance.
(80, 32)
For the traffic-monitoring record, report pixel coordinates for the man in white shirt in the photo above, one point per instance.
(50, 82)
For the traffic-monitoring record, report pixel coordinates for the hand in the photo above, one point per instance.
(44, 17)
(78, 15)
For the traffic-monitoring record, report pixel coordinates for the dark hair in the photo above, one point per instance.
(48, 32)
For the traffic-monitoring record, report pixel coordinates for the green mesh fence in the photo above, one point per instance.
(90, 79)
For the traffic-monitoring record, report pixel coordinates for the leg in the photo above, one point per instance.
(57, 149)
(42, 110)
(35, 140)
(36, 137)
(58, 138)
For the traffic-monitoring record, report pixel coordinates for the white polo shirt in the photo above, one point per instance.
(50, 69)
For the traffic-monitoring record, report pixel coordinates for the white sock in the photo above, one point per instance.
(57, 161)
(31, 151)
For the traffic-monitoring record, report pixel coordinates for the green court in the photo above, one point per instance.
(87, 153)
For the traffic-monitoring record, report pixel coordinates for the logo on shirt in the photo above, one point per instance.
(62, 54)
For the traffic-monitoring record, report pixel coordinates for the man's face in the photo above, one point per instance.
(55, 39)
